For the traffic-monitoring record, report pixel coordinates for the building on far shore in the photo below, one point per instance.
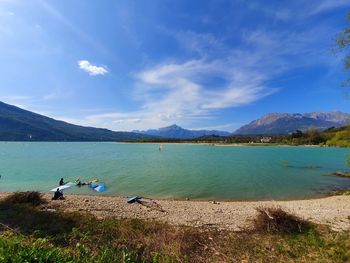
(265, 139)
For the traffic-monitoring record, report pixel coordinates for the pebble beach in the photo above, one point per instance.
(333, 211)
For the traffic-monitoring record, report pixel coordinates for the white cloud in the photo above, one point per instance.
(194, 91)
(92, 69)
(224, 77)
(185, 92)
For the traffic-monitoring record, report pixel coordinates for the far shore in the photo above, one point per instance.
(184, 143)
(225, 144)
(333, 211)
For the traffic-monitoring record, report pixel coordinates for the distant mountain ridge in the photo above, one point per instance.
(284, 123)
(17, 124)
(177, 132)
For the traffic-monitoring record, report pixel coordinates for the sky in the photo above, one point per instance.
(135, 65)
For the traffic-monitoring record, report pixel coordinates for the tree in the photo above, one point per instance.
(297, 134)
(343, 46)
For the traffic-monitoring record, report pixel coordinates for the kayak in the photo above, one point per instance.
(133, 199)
(98, 187)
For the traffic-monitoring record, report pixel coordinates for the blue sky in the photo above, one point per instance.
(128, 65)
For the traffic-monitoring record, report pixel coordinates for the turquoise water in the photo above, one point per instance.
(179, 171)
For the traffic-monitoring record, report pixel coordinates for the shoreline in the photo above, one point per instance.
(189, 143)
(227, 144)
(321, 195)
(333, 211)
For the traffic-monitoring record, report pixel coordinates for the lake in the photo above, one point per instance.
(178, 171)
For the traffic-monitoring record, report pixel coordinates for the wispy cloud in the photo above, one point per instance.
(57, 94)
(305, 9)
(220, 77)
(92, 69)
(327, 5)
(222, 127)
(59, 16)
(19, 101)
(186, 88)
(224, 77)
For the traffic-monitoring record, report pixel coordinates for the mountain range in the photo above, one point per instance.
(177, 132)
(17, 124)
(284, 123)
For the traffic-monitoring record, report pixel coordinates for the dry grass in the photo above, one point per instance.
(149, 238)
(33, 198)
(276, 220)
(84, 238)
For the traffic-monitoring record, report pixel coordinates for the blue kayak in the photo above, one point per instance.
(98, 187)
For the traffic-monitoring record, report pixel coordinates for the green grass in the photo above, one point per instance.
(33, 235)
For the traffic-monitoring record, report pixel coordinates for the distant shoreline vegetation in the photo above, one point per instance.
(336, 137)
(339, 137)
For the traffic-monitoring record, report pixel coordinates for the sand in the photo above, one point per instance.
(233, 215)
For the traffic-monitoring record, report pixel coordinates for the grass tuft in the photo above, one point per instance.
(276, 220)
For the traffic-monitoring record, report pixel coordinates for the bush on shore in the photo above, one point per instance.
(276, 220)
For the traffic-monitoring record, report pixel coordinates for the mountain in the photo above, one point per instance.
(334, 116)
(177, 132)
(17, 124)
(284, 123)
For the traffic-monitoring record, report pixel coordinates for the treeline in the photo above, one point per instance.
(330, 137)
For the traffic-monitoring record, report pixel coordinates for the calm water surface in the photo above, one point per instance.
(179, 171)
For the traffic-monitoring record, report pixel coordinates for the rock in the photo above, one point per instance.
(341, 174)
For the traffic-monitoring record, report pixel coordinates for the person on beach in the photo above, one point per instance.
(61, 182)
(79, 182)
(58, 195)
